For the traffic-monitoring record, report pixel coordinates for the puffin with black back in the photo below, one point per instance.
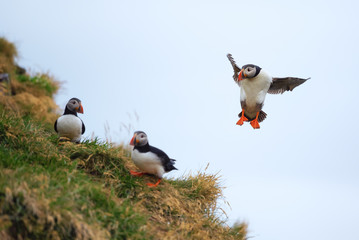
(255, 83)
(149, 159)
(69, 125)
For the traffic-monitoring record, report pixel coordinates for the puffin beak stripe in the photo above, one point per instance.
(80, 109)
(240, 75)
(133, 140)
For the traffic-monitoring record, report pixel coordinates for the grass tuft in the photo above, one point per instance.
(8, 53)
(41, 81)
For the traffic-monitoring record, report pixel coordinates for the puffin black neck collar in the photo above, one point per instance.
(144, 148)
(68, 111)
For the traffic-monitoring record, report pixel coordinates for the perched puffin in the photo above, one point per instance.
(255, 83)
(149, 159)
(69, 125)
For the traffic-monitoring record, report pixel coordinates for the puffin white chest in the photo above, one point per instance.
(253, 91)
(148, 162)
(69, 126)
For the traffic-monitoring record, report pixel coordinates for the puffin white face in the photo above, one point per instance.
(74, 105)
(248, 71)
(139, 139)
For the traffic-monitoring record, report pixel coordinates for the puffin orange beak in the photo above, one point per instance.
(132, 143)
(240, 75)
(80, 109)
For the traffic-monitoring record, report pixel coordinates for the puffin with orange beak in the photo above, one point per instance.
(69, 125)
(255, 84)
(148, 159)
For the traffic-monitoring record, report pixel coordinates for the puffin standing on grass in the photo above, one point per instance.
(255, 84)
(149, 159)
(69, 125)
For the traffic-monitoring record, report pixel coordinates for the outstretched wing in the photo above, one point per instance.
(280, 85)
(234, 65)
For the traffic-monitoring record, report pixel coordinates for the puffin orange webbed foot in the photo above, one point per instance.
(255, 124)
(242, 119)
(133, 173)
(154, 185)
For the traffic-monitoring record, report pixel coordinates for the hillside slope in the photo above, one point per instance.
(52, 190)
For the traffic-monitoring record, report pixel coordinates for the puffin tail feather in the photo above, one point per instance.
(262, 115)
(170, 165)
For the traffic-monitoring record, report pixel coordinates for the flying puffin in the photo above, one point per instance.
(255, 83)
(149, 159)
(69, 125)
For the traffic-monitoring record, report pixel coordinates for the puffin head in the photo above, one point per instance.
(139, 139)
(248, 71)
(74, 105)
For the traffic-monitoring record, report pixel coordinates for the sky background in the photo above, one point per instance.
(161, 67)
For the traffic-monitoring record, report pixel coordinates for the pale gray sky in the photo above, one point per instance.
(295, 178)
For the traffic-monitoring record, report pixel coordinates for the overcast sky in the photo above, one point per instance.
(161, 67)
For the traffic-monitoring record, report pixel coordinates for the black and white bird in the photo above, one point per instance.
(69, 125)
(149, 159)
(255, 83)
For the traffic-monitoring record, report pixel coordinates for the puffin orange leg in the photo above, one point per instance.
(242, 119)
(133, 173)
(154, 185)
(255, 123)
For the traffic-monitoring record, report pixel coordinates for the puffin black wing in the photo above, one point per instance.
(235, 67)
(83, 127)
(280, 85)
(167, 162)
(55, 126)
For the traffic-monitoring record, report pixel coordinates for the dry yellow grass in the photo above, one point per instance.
(39, 217)
(186, 208)
(183, 208)
(30, 101)
(8, 53)
(26, 98)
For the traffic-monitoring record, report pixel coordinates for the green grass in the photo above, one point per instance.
(52, 190)
(41, 81)
(32, 161)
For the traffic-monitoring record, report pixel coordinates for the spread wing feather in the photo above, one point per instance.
(235, 67)
(280, 85)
